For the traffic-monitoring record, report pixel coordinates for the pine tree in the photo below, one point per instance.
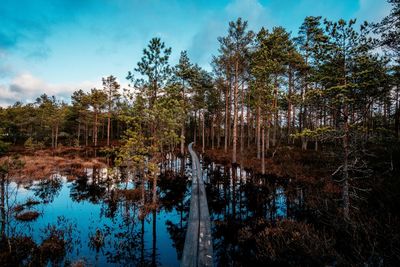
(235, 46)
(110, 88)
(312, 42)
(80, 105)
(97, 100)
(183, 72)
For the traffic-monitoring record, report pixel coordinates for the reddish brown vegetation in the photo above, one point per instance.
(42, 163)
(287, 243)
(307, 167)
(130, 194)
(27, 216)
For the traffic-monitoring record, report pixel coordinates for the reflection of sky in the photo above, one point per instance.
(281, 208)
(88, 217)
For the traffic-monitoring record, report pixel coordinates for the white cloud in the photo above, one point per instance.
(372, 10)
(25, 88)
(251, 10)
(204, 42)
(6, 70)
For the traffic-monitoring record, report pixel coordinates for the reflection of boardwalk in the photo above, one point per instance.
(198, 242)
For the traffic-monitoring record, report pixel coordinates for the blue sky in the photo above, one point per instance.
(58, 46)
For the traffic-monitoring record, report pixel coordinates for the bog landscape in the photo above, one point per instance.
(254, 145)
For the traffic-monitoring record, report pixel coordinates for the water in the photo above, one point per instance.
(89, 206)
(239, 202)
(92, 207)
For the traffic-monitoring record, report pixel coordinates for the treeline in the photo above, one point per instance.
(48, 121)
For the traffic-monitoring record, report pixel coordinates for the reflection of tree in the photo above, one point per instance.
(127, 242)
(57, 241)
(258, 198)
(48, 189)
(3, 218)
(122, 241)
(173, 189)
(111, 205)
(82, 190)
(93, 191)
(177, 233)
(235, 202)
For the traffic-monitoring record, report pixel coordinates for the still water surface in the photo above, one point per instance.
(88, 207)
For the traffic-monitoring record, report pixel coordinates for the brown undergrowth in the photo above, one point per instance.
(320, 235)
(308, 169)
(41, 164)
(307, 166)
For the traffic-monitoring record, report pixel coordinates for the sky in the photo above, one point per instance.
(59, 46)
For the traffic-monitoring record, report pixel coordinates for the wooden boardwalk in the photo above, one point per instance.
(198, 249)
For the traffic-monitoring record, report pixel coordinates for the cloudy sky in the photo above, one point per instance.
(58, 46)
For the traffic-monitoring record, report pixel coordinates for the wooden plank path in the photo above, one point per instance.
(198, 249)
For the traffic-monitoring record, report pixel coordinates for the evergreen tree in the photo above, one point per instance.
(110, 88)
(235, 46)
(183, 72)
(97, 100)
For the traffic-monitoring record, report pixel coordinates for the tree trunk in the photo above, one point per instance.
(235, 113)
(304, 143)
(262, 150)
(268, 132)
(199, 133)
(226, 117)
(79, 132)
(86, 133)
(229, 115)
(183, 139)
(212, 132)
(154, 189)
(258, 128)
(2, 207)
(218, 131)
(275, 110)
(102, 128)
(242, 123)
(52, 137)
(194, 128)
(95, 130)
(108, 128)
(202, 124)
(346, 198)
(289, 105)
(397, 114)
(249, 126)
(56, 136)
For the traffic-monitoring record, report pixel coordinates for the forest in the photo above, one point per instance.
(315, 114)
